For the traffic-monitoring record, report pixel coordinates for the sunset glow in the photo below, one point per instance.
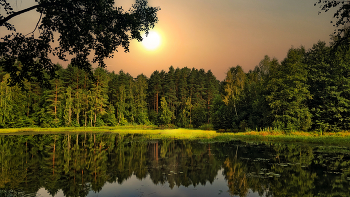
(234, 33)
(151, 41)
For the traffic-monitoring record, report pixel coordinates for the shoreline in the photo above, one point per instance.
(326, 138)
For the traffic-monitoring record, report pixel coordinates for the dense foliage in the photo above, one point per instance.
(341, 18)
(183, 97)
(308, 90)
(84, 30)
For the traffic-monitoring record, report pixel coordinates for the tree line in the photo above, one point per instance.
(180, 97)
(308, 90)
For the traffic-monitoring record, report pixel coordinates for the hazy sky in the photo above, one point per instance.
(214, 34)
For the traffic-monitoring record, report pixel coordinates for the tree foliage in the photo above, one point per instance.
(84, 27)
(341, 18)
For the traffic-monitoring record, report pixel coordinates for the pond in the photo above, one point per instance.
(88, 164)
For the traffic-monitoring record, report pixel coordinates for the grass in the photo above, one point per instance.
(148, 130)
(36, 130)
(329, 138)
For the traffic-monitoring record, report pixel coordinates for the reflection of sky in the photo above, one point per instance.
(145, 187)
(43, 193)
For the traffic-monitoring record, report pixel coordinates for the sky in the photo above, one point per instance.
(213, 34)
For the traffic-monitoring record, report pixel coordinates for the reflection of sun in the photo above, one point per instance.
(151, 41)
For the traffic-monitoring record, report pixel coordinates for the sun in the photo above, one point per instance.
(151, 41)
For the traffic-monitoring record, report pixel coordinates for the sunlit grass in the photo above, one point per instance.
(148, 130)
(186, 134)
(76, 129)
(331, 138)
(154, 132)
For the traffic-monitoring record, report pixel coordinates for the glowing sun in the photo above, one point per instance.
(151, 41)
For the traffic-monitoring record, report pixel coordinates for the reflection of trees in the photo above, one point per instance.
(335, 161)
(291, 162)
(79, 163)
(235, 174)
(183, 163)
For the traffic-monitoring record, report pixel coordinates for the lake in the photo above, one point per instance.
(88, 164)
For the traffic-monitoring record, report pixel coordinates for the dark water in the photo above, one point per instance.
(133, 165)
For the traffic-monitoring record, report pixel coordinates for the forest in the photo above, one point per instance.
(308, 90)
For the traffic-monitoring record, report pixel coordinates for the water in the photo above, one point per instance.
(133, 165)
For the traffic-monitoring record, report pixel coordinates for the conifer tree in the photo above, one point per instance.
(170, 90)
(121, 105)
(99, 95)
(212, 87)
(54, 101)
(141, 86)
(182, 96)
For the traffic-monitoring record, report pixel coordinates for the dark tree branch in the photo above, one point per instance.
(4, 20)
(83, 26)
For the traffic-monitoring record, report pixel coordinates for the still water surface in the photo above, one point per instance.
(133, 165)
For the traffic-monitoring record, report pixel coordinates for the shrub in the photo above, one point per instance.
(207, 127)
(167, 126)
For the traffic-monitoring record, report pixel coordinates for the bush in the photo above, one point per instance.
(167, 126)
(189, 126)
(99, 122)
(207, 127)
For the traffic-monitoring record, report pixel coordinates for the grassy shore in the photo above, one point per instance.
(330, 138)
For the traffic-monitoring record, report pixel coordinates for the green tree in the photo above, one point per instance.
(234, 84)
(329, 86)
(54, 100)
(184, 103)
(212, 89)
(154, 91)
(289, 93)
(6, 115)
(170, 91)
(99, 92)
(13, 105)
(68, 107)
(140, 92)
(124, 98)
(165, 114)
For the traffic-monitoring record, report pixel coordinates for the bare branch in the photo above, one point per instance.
(36, 25)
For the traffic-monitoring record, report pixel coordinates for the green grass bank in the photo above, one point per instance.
(330, 138)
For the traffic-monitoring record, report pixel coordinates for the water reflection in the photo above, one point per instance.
(127, 165)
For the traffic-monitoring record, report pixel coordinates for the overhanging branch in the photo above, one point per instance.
(4, 20)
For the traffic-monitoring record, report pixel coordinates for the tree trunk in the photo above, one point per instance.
(157, 102)
(85, 118)
(56, 102)
(78, 110)
(208, 111)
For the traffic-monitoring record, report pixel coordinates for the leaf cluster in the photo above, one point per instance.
(84, 28)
